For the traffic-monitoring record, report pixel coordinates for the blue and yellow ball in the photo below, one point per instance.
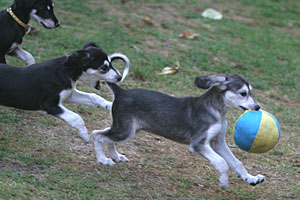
(256, 131)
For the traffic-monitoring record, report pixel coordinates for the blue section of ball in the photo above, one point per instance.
(248, 125)
(256, 131)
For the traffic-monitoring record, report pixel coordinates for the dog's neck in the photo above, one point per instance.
(22, 14)
(74, 73)
(214, 98)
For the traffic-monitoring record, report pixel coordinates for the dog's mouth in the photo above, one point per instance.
(49, 27)
(243, 108)
(44, 25)
(97, 86)
(256, 108)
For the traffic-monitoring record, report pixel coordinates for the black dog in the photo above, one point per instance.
(45, 86)
(13, 23)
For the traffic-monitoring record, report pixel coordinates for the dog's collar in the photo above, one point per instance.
(12, 14)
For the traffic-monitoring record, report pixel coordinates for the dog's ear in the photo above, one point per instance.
(24, 4)
(206, 82)
(79, 58)
(90, 44)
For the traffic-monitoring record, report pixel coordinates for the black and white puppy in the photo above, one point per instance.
(14, 25)
(46, 86)
(197, 121)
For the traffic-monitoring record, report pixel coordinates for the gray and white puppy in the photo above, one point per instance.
(197, 121)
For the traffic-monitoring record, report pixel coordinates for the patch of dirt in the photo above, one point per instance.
(157, 165)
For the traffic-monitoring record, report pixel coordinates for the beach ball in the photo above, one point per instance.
(256, 131)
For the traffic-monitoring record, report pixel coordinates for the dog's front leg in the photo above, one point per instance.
(23, 55)
(216, 160)
(75, 121)
(2, 59)
(90, 99)
(220, 146)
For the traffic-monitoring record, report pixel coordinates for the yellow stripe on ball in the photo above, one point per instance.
(267, 135)
(256, 131)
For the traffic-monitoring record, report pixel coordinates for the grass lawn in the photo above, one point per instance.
(43, 158)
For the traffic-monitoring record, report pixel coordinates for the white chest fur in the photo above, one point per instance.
(13, 47)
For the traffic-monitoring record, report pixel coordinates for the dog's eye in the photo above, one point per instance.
(243, 94)
(104, 69)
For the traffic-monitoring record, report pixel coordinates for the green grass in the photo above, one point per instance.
(43, 158)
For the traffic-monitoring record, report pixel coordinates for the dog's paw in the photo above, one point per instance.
(108, 106)
(223, 181)
(106, 161)
(254, 180)
(120, 158)
(223, 185)
(85, 137)
(29, 60)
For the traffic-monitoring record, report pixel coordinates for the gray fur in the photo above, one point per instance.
(197, 121)
(178, 119)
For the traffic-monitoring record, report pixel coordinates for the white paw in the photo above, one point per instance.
(106, 161)
(85, 137)
(254, 180)
(108, 106)
(223, 181)
(29, 61)
(120, 158)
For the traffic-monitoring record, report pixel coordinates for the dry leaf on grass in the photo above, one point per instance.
(148, 20)
(170, 70)
(188, 35)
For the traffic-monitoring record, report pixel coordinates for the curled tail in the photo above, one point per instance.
(125, 59)
(114, 87)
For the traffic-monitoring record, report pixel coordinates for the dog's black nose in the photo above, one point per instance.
(119, 78)
(257, 107)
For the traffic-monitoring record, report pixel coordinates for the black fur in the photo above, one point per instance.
(11, 32)
(37, 87)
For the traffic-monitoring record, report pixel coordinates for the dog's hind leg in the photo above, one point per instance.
(114, 154)
(90, 99)
(99, 139)
(23, 55)
(220, 146)
(123, 129)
